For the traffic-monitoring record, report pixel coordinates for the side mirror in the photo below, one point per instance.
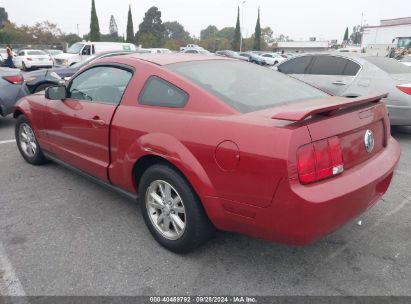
(56, 92)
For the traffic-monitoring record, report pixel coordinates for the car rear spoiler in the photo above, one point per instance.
(301, 110)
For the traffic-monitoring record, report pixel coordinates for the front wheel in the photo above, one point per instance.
(172, 211)
(27, 142)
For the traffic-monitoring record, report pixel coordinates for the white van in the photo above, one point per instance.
(80, 51)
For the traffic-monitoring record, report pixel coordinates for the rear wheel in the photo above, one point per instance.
(27, 142)
(23, 66)
(172, 211)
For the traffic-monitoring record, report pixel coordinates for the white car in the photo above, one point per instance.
(158, 51)
(80, 51)
(28, 59)
(272, 58)
(406, 60)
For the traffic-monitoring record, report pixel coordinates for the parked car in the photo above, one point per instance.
(37, 81)
(405, 60)
(231, 54)
(353, 75)
(53, 53)
(28, 59)
(11, 89)
(197, 51)
(3, 53)
(190, 47)
(254, 58)
(284, 161)
(272, 58)
(80, 51)
(158, 51)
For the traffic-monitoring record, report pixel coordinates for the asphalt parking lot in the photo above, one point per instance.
(60, 234)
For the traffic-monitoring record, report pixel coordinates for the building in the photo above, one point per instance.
(380, 38)
(303, 46)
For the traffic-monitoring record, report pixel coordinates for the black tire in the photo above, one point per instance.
(198, 228)
(37, 157)
(23, 66)
(42, 87)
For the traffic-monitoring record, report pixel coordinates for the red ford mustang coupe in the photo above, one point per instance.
(211, 142)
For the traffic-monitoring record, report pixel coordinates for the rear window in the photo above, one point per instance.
(33, 53)
(297, 65)
(245, 87)
(389, 65)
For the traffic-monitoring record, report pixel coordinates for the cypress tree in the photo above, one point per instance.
(345, 40)
(130, 27)
(94, 27)
(237, 34)
(257, 34)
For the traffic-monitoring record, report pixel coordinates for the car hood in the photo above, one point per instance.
(64, 56)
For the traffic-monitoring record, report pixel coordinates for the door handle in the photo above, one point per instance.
(96, 121)
(339, 82)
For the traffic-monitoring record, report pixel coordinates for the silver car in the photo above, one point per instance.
(12, 88)
(353, 75)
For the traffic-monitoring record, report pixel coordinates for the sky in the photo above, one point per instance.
(299, 19)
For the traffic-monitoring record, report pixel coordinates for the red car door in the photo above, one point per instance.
(79, 126)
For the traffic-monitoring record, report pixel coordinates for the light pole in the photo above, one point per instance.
(241, 26)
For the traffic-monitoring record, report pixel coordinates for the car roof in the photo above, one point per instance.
(165, 59)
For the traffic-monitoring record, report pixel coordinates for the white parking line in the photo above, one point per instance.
(7, 141)
(9, 282)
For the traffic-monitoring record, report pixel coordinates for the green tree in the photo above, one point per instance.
(176, 31)
(151, 32)
(94, 26)
(71, 38)
(130, 27)
(237, 33)
(113, 28)
(346, 35)
(208, 32)
(257, 34)
(4, 17)
(356, 35)
(226, 33)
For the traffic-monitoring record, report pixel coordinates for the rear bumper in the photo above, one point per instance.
(399, 116)
(302, 214)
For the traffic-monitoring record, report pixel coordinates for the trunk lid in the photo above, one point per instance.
(354, 121)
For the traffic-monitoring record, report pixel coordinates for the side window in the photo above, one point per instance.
(352, 68)
(328, 65)
(103, 84)
(158, 92)
(21, 53)
(86, 50)
(297, 65)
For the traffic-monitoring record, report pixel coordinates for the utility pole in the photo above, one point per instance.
(242, 24)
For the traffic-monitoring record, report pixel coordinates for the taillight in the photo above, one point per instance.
(29, 59)
(320, 160)
(406, 88)
(17, 79)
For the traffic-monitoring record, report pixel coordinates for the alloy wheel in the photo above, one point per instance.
(27, 140)
(166, 209)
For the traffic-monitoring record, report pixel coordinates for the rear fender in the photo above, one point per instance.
(176, 153)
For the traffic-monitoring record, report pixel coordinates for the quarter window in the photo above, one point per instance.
(351, 69)
(159, 92)
(100, 84)
(297, 65)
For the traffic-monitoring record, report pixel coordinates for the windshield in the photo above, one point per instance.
(389, 65)
(245, 87)
(34, 53)
(75, 48)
